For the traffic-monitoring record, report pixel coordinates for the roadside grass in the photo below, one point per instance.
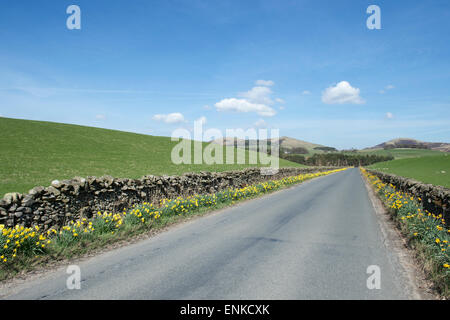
(425, 232)
(29, 248)
(34, 153)
(431, 169)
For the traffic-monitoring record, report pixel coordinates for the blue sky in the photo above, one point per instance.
(328, 79)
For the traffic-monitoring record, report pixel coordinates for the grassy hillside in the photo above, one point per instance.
(287, 143)
(432, 169)
(413, 143)
(401, 153)
(35, 153)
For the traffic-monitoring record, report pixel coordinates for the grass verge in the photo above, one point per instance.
(24, 249)
(425, 232)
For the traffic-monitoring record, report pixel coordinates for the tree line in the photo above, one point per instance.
(329, 158)
(336, 159)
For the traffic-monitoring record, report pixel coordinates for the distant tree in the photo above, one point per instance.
(294, 158)
(299, 150)
(406, 146)
(337, 159)
(326, 149)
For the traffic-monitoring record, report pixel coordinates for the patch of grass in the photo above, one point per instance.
(402, 153)
(86, 236)
(426, 232)
(35, 153)
(431, 169)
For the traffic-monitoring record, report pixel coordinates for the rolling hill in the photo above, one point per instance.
(412, 143)
(287, 144)
(34, 153)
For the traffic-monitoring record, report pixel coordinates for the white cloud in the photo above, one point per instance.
(387, 88)
(207, 107)
(342, 93)
(389, 115)
(281, 107)
(243, 105)
(261, 123)
(175, 117)
(202, 120)
(266, 83)
(258, 95)
(258, 99)
(100, 117)
(306, 92)
(279, 100)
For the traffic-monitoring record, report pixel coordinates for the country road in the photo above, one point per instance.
(312, 241)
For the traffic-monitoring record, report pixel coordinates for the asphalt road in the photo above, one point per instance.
(312, 241)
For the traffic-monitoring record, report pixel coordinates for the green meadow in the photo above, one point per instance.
(429, 169)
(401, 153)
(34, 153)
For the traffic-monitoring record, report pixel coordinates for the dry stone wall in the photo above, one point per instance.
(69, 200)
(435, 199)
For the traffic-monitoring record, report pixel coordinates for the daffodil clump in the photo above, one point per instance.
(428, 229)
(32, 242)
(21, 239)
(73, 231)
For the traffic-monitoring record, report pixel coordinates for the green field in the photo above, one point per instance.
(402, 153)
(34, 153)
(429, 169)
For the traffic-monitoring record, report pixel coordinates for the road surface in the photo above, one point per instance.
(312, 241)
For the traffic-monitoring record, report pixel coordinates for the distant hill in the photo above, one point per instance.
(412, 143)
(287, 144)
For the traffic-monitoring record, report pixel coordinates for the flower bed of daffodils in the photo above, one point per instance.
(425, 230)
(31, 242)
